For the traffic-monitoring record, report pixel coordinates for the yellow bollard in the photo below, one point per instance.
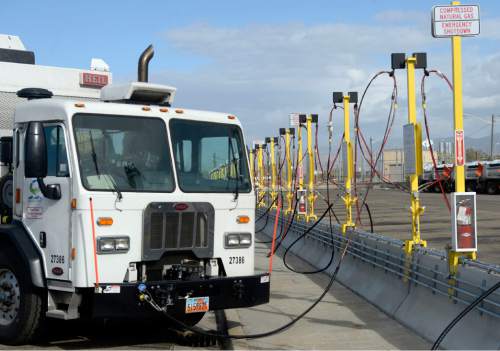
(273, 193)
(349, 200)
(311, 198)
(260, 167)
(301, 192)
(288, 133)
(415, 209)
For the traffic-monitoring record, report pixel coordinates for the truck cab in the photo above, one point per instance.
(125, 206)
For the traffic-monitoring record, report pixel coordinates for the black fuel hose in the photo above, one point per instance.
(332, 256)
(258, 335)
(462, 314)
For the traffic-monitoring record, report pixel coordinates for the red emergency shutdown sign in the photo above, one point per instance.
(459, 148)
(459, 20)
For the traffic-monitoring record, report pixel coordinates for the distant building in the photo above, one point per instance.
(393, 163)
(393, 160)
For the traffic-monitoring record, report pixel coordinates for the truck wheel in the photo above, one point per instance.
(470, 186)
(21, 305)
(491, 188)
(436, 188)
(6, 192)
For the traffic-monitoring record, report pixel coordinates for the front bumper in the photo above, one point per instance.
(122, 300)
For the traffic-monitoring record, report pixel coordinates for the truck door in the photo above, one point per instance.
(49, 220)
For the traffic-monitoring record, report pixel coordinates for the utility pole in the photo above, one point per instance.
(371, 161)
(491, 136)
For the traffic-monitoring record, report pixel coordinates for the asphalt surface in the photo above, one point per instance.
(390, 210)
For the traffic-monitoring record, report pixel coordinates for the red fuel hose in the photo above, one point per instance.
(96, 267)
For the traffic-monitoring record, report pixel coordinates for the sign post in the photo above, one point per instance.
(454, 22)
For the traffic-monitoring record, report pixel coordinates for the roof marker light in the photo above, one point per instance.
(179, 111)
(79, 104)
(146, 108)
(163, 109)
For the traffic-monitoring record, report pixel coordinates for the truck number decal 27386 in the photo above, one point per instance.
(56, 259)
(236, 259)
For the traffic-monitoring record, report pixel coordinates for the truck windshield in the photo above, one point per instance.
(123, 153)
(209, 157)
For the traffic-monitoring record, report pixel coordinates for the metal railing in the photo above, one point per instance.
(388, 254)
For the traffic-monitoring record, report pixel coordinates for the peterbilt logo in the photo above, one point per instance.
(57, 271)
(181, 206)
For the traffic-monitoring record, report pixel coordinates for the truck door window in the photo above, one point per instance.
(57, 158)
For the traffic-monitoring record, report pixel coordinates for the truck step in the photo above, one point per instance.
(60, 314)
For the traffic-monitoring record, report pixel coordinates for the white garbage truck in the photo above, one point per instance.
(108, 194)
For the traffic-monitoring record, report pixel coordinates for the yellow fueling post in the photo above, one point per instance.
(273, 193)
(450, 27)
(260, 165)
(458, 112)
(301, 192)
(288, 133)
(349, 200)
(458, 119)
(412, 135)
(415, 209)
(311, 198)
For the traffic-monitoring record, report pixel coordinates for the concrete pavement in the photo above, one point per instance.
(343, 320)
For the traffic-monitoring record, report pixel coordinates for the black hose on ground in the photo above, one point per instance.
(150, 300)
(462, 314)
(301, 237)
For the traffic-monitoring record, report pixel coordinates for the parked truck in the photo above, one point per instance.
(480, 176)
(111, 201)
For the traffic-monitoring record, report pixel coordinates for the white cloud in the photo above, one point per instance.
(264, 72)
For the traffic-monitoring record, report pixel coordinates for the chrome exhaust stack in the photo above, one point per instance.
(142, 69)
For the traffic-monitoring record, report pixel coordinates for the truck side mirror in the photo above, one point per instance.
(35, 151)
(35, 160)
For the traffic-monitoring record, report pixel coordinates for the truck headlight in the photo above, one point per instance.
(237, 240)
(122, 244)
(113, 244)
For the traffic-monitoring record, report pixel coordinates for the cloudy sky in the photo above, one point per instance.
(262, 60)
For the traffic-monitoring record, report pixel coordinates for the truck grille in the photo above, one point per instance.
(167, 229)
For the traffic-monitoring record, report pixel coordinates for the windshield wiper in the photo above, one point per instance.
(118, 192)
(119, 195)
(94, 155)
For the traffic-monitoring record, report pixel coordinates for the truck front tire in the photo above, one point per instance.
(491, 188)
(21, 304)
